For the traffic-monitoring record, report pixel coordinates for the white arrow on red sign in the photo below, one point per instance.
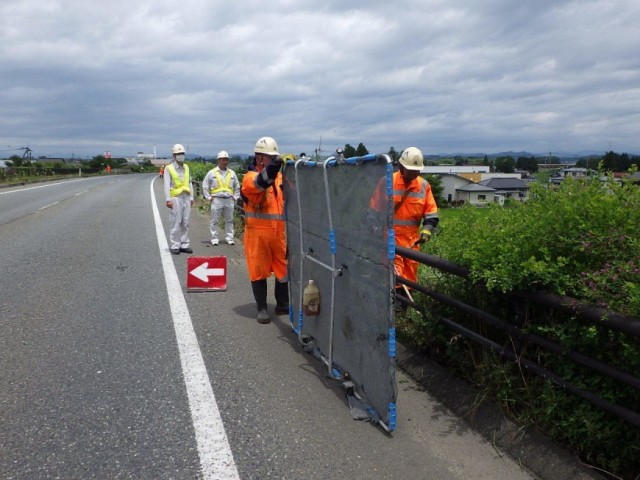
(203, 272)
(206, 274)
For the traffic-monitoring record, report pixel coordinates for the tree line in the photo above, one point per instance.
(610, 161)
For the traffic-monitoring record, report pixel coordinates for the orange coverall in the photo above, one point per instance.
(265, 242)
(413, 204)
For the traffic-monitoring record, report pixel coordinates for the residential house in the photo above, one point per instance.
(513, 188)
(470, 184)
(475, 194)
(573, 172)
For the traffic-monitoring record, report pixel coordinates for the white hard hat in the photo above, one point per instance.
(177, 148)
(266, 145)
(412, 159)
(222, 154)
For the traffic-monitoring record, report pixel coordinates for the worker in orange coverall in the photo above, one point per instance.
(414, 205)
(265, 243)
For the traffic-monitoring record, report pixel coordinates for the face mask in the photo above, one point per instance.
(180, 158)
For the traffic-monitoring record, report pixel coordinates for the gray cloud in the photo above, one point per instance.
(83, 77)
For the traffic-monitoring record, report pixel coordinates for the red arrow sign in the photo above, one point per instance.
(206, 273)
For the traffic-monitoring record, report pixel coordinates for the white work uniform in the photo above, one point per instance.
(181, 211)
(222, 201)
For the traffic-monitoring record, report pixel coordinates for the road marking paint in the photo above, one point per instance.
(216, 458)
(6, 192)
(47, 206)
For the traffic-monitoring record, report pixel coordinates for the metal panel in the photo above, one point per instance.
(340, 235)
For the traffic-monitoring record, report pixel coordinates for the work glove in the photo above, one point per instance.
(273, 168)
(425, 236)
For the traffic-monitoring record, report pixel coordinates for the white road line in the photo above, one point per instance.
(216, 458)
(6, 192)
(47, 206)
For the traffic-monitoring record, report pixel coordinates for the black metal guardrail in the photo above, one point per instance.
(197, 187)
(589, 314)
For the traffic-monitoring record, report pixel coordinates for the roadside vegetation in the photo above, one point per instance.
(21, 170)
(582, 240)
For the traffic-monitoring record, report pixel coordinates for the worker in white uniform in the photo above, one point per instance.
(178, 192)
(221, 188)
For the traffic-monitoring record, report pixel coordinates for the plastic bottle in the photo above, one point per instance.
(311, 299)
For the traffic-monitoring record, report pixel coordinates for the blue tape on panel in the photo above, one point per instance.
(392, 416)
(392, 342)
(391, 244)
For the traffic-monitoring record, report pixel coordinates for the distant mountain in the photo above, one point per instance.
(499, 154)
(579, 154)
(561, 155)
(489, 155)
(191, 156)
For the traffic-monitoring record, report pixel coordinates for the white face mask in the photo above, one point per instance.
(180, 158)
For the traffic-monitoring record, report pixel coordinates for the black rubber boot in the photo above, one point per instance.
(282, 298)
(259, 288)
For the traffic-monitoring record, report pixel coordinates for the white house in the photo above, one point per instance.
(508, 187)
(475, 194)
(476, 185)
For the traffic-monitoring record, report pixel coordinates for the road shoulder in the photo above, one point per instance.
(540, 455)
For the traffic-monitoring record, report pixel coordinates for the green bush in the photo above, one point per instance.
(198, 170)
(581, 239)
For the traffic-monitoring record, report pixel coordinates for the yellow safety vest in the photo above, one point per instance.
(223, 186)
(179, 185)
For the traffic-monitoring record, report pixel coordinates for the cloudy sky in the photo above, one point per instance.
(80, 77)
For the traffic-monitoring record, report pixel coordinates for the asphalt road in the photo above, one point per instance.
(110, 369)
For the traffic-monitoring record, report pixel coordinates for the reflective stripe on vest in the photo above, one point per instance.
(265, 216)
(419, 194)
(406, 223)
(179, 185)
(223, 186)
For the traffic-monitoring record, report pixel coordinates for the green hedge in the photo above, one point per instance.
(581, 239)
